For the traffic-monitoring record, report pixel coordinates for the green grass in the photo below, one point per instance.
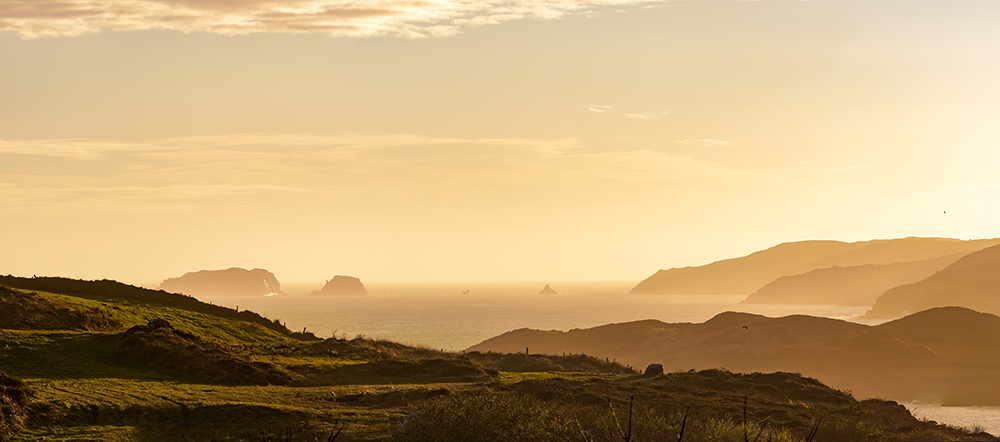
(135, 312)
(161, 410)
(509, 377)
(30, 354)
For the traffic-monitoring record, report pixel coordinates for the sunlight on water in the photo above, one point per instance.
(985, 418)
(438, 316)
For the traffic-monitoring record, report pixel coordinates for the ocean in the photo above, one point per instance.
(437, 315)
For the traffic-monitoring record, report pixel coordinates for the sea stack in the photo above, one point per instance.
(548, 291)
(342, 285)
(230, 282)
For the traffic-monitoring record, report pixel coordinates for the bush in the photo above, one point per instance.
(844, 431)
(14, 398)
(486, 416)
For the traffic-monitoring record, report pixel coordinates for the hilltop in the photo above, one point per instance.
(121, 367)
(114, 291)
(746, 274)
(900, 359)
(973, 282)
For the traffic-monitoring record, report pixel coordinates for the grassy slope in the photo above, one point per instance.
(86, 390)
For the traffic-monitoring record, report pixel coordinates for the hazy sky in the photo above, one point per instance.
(482, 139)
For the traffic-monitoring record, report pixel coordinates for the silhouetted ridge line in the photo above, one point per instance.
(114, 289)
(973, 282)
(746, 274)
(949, 354)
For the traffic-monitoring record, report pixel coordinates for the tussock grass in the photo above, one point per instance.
(31, 311)
(14, 398)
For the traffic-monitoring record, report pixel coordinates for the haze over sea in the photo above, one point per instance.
(437, 315)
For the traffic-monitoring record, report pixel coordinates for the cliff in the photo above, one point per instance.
(230, 282)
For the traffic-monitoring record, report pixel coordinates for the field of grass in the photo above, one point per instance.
(216, 378)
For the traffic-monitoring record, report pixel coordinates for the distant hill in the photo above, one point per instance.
(229, 282)
(751, 272)
(972, 282)
(897, 360)
(342, 285)
(854, 285)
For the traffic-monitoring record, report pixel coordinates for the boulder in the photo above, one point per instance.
(654, 369)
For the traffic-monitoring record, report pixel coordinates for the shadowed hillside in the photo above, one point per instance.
(855, 285)
(973, 282)
(751, 272)
(872, 361)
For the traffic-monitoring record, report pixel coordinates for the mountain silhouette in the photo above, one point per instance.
(972, 282)
(854, 285)
(342, 285)
(746, 274)
(903, 359)
(229, 282)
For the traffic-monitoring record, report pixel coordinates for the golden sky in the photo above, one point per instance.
(485, 140)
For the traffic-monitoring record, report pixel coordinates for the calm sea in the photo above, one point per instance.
(437, 315)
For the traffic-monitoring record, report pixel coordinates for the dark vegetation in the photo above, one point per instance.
(197, 359)
(196, 377)
(536, 363)
(14, 398)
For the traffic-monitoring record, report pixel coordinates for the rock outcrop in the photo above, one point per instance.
(342, 285)
(547, 291)
(230, 282)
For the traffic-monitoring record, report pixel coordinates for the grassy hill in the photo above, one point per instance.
(93, 366)
(937, 355)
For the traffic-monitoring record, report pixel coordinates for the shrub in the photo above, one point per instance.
(14, 398)
(486, 416)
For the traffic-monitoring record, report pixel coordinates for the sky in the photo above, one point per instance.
(485, 140)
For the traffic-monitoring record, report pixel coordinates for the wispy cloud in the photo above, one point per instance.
(653, 116)
(954, 190)
(599, 109)
(357, 18)
(706, 142)
(195, 173)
